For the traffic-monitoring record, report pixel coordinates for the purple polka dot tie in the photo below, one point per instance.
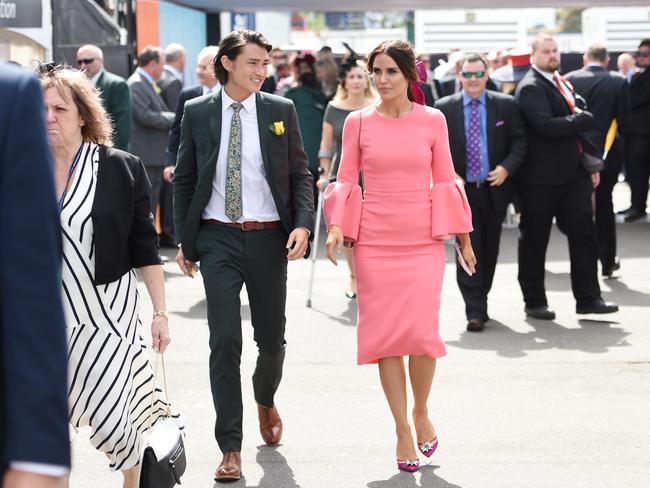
(474, 142)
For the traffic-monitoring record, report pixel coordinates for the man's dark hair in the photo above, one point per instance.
(644, 43)
(232, 46)
(472, 58)
(597, 53)
(325, 49)
(149, 54)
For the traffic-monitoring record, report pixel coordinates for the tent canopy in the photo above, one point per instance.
(374, 5)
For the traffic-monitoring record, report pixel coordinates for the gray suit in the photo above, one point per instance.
(151, 123)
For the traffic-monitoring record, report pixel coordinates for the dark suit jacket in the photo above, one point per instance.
(33, 352)
(125, 236)
(640, 104)
(116, 97)
(170, 89)
(607, 97)
(285, 162)
(505, 134)
(553, 132)
(175, 133)
(151, 122)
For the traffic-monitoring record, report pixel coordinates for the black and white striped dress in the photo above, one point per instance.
(110, 376)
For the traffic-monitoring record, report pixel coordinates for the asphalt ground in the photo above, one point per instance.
(526, 403)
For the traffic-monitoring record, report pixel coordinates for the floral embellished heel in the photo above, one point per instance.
(409, 465)
(428, 447)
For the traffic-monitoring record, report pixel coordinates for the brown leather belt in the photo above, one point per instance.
(246, 226)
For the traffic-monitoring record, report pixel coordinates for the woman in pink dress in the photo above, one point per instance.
(411, 204)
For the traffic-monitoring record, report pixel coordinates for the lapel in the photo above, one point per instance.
(158, 99)
(263, 108)
(459, 119)
(215, 115)
(100, 80)
(491, 120)
(550, 87)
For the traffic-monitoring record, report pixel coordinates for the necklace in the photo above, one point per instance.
(73, 166)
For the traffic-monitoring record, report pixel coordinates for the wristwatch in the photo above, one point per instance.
(161, 313)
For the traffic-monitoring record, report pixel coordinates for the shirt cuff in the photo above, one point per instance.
(53, 470)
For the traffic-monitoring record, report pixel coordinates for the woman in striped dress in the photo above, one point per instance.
(107, 230)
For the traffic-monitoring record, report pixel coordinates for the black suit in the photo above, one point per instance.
(553, 183)
(638, 140)
(33, 353)
(607, 97)
(231, 257)
(506, 147)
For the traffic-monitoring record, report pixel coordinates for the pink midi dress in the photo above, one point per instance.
(411, 204)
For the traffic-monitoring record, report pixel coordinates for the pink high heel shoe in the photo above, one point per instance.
(408, 465)
(428, 447)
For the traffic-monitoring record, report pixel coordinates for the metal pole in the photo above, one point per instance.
(314, 250)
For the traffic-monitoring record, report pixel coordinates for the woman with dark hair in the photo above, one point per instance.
(411, 204)
(108, 230)
(354, 93)
(310, 104)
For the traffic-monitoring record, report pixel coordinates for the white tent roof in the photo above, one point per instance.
(374, 5)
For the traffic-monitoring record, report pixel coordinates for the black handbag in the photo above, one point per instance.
(163, 461)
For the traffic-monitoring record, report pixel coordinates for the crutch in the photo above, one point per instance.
(314, 249)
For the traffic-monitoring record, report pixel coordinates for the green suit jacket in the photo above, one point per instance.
(116, 97)
(285, 163)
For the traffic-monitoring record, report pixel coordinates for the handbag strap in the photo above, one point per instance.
(153, 388)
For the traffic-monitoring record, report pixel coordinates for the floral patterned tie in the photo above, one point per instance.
(474, 142)
(233, 173)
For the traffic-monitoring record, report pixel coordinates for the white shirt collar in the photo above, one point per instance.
(545, 74)
(95, 78)
(177, 74)
(226, 102)
(214, 89)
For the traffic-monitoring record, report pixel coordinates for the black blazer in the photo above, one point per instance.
(640, 104)
(505, 134)
(607, 97)
(125, 236)
(553, 132)
(285, 162)
(175, 132)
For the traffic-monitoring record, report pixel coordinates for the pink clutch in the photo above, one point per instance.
(342, 206)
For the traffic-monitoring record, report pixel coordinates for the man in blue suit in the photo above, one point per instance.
(34, 444)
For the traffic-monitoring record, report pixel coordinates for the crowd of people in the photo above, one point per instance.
(407, 158)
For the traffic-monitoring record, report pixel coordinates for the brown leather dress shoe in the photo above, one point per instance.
(230, 467)
(270, 424)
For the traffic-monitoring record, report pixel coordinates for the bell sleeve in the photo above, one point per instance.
(450, 210)
(343, 198)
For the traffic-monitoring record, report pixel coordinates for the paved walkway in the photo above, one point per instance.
(526, 404)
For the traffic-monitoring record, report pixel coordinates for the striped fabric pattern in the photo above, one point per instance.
(109, 374)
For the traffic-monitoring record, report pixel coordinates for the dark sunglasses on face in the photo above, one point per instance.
(85, 61)
(468, 74)
(643, 54)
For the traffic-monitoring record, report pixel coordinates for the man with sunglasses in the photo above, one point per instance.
(552, 183)
(638, 135)
(115, 93)
(488, 144)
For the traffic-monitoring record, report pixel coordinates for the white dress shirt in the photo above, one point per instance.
(215, 88)
(549, 76)
(257, 200)
(40, 468)
(95, 78)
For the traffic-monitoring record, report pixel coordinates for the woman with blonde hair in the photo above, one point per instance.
(107, 231)
(354, 93)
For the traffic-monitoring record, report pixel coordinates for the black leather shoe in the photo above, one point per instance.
(634, 215)
(597, 306)
(475, 325)
(609, 270)
(542, 312)
(625, 212)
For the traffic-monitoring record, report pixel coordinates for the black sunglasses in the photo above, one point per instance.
(468, 74)
(85, 61)
(643, 54)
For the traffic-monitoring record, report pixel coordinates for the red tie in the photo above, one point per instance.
(567, 96)
(569, 100)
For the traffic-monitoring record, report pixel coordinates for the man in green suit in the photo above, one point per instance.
(115, 93)
(243, 206)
